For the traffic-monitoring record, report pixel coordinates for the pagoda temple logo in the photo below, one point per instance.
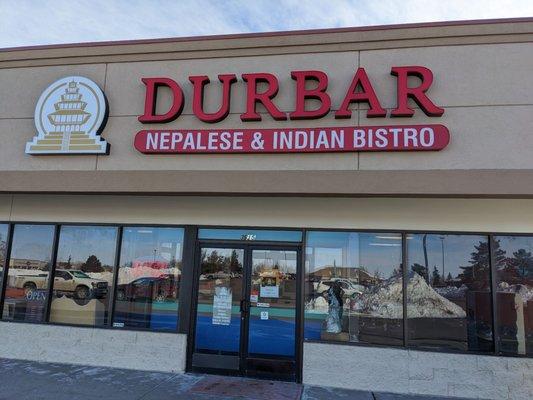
(69, 117)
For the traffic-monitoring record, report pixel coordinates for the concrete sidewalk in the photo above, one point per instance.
(25, 380)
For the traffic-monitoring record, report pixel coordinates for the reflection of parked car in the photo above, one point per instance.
(350, 289)
(157, 288)
(80, 284)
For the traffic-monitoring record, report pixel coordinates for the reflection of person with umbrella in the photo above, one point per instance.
(335, 302)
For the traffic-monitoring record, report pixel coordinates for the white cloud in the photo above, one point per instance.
(33, 22)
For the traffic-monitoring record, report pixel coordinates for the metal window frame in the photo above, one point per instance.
(7, 257)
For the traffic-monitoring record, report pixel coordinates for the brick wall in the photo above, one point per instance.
(418, 372)
(151, 351)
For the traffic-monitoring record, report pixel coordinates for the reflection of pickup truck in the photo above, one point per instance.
(80, 284)
(31, 282)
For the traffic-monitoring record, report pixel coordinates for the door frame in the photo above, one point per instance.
(247, 247)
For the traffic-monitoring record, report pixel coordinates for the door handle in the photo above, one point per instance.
(244, 306)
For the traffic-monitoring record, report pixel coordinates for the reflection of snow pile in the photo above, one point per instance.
(424, 301)
(319, 305)
(21, 271)
(452, 292)
(106, 276)
(386, 300)
(524, 291)
(126, 275)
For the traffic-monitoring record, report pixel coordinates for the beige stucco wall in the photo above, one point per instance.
(475, 215)
(482, 79)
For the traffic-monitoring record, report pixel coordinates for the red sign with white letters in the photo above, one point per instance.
(300, 140)
(309, 85)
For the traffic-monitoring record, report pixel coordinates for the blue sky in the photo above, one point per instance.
(35, 22)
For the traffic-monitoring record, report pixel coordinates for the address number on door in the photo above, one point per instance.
(249, 237)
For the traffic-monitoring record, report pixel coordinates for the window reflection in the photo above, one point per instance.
(29, 267)
(83, 275)
(448, 292)
(354, 287)
(148, 278)
(514, 279)
(273, 303)
(218, 316)
(3, 248)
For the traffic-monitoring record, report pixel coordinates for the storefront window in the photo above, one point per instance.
(448, 292)
(354, 287)
(83, 275)
(26, 292)
(148, 279)
(514, 279)
(3, 248)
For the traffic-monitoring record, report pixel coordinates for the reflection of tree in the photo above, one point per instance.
(3, 246)
(477, 273)
(215, 262)
(92, 264)
(516, 269)
(522, 262)
(449, 279)
(436, 279)
(420, 270)
(234, 264)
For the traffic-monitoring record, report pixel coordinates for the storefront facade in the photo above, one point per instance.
(349, 208)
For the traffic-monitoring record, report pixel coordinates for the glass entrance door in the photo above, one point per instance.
(219, 309)
(246, 311)
(271, 346)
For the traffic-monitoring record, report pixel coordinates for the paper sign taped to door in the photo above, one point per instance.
(222, 303)
(269, 291)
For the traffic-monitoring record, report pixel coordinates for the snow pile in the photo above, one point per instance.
(524, 291)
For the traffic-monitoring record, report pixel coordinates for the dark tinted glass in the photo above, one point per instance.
(27, 277)
(83, 275)
(251, 235)
(448, 292)
(353, 287)
(514, 299)
(148, 278)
